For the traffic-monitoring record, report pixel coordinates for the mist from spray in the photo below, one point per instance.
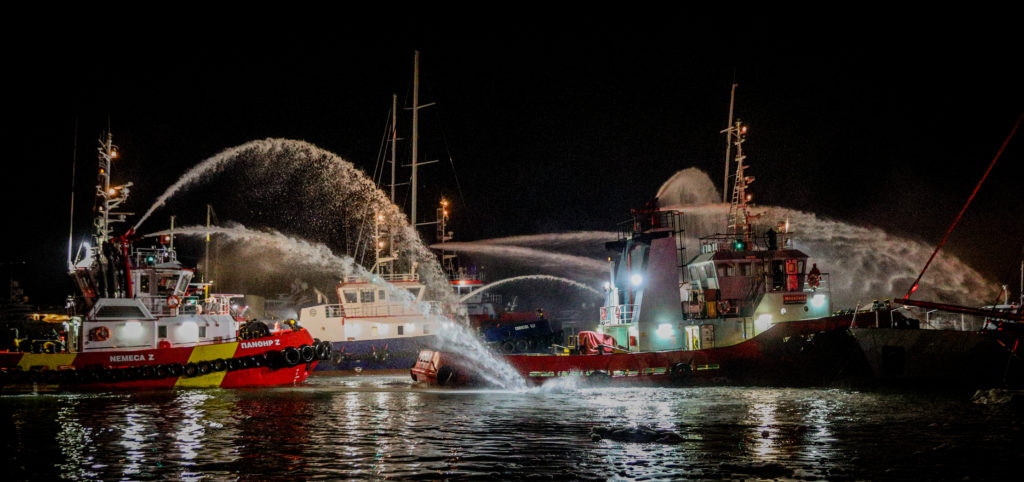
(586, 267)
(864, 262)
(532, 277)
(298, 252)
(552, 240)
(349, 186)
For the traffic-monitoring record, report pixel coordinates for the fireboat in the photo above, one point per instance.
(145, 325)
(744, 309)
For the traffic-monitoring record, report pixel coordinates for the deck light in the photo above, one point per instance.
(636, 279)
(664, 330)
(818, 300)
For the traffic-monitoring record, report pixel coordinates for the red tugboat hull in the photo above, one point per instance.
(780, 354)
(250, 363)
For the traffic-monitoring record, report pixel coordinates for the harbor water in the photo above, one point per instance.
(377, 427)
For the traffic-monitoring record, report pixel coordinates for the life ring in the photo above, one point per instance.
(173, 301)
(100, 333)
(724, 306)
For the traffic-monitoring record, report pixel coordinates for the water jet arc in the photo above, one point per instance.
(543, 277)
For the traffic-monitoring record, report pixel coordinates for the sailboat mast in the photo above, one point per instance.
(394, 142)
(415, 128)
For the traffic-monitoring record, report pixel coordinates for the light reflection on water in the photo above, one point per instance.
(376, 427)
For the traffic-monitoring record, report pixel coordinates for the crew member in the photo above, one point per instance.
(814, 277)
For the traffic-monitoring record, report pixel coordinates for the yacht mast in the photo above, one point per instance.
(394, 142)
(415, 129)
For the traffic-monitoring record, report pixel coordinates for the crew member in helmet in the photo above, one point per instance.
(814, 277)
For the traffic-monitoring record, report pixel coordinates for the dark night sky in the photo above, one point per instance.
(556, 123)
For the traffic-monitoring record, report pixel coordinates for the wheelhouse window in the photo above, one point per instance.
(744, 269)
(415, 292)
(351, 296)
(366, 296)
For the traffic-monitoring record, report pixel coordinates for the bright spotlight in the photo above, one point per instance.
(818, 300)
(664, 330)
(636, 279)
(132, 329)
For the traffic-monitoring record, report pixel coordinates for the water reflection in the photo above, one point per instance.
(764, 430)
(367, 427)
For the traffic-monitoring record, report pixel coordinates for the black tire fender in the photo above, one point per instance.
(307, 352)
(291, 356)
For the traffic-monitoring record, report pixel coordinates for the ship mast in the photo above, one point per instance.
(739, 216)
(110, 196)
(728, 145)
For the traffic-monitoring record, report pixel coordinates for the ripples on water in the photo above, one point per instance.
(385, 427)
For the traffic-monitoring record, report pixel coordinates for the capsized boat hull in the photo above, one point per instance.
(372, 356)
(797, 353)
(249, 363)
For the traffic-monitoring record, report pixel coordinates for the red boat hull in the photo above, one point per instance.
(224, 365)
(780, 354)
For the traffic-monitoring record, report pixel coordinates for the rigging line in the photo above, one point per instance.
(74, 164)
(380, 151)
(376, 179)
(444, 138)
(949, 231)
(451, 160)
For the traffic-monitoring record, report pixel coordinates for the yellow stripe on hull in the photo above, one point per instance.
(51, 361)
(208, 353)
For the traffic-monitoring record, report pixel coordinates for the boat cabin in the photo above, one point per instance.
(733, 289)
(370, 311)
